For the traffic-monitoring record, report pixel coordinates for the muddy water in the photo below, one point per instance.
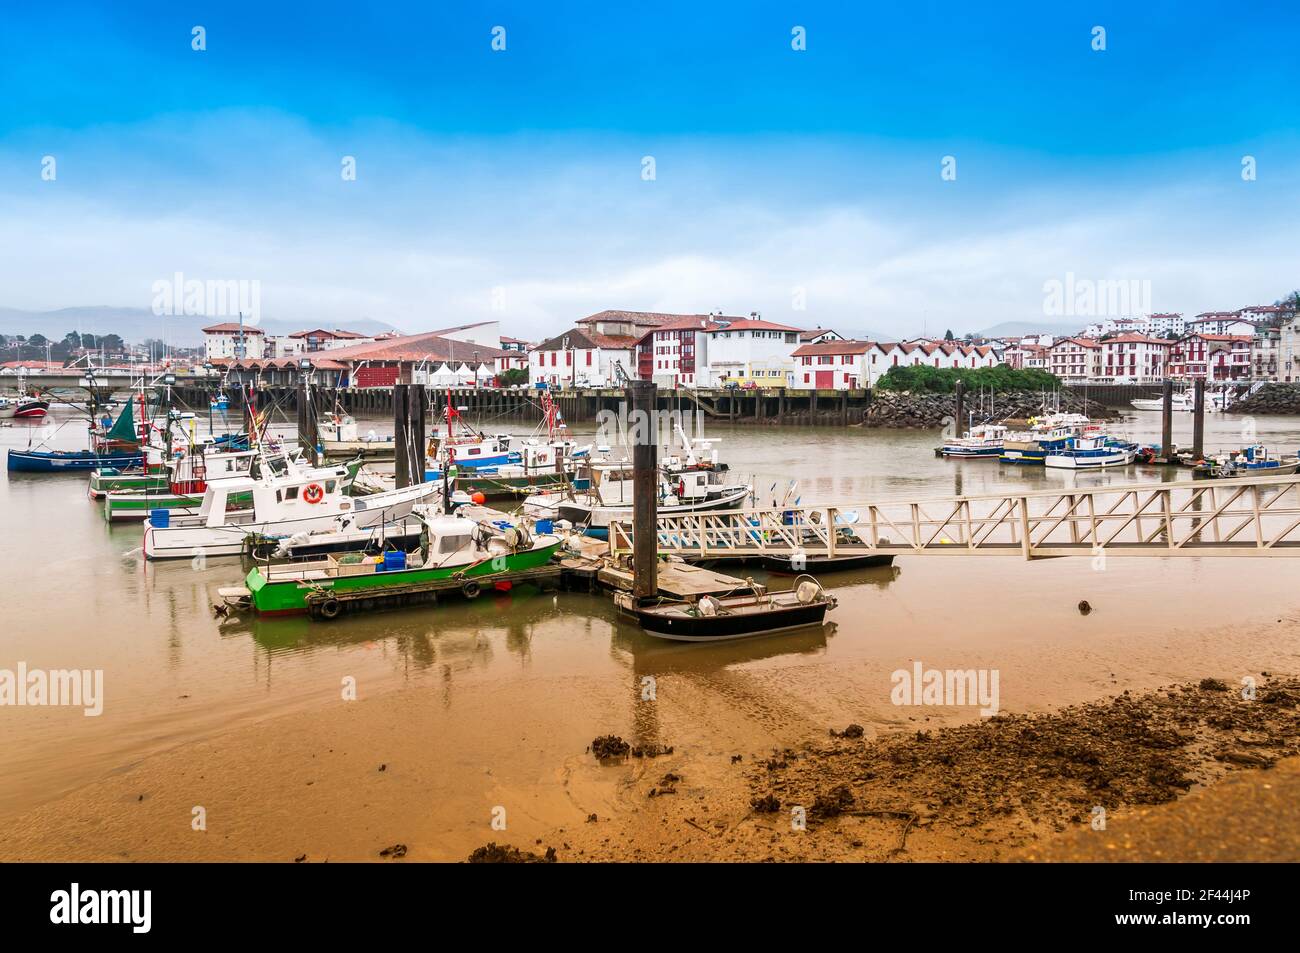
(512, 689)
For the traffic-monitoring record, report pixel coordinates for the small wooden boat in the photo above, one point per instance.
(716, 619)
(1255, 460)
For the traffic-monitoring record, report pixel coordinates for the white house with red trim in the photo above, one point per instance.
(1074, 360)
(832, 365)
(1133, 359)
(1212, 357)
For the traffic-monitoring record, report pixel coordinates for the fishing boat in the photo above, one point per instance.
(8, 408)
(720, 618)
(1183, 401)
(1091, 452)
(339, 435)
(1254, 460)
(186, 480)
(115, 446)
(1045, 434)
(472, 545)
(298, 500)
(608, 497)
(982, 442)
(30, 407)
(1180, 401)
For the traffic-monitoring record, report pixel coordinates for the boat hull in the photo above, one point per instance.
(597, 519)
(819, 564)
(63, 461)
(1099, 462)
(723, 628)
(289, 597)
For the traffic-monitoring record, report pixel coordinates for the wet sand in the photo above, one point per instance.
(359, 777)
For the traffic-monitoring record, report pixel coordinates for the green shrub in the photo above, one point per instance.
(920, 378)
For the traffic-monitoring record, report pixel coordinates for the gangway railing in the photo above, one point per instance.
(1246, 516)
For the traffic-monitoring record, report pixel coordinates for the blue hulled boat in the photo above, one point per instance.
(58, 461)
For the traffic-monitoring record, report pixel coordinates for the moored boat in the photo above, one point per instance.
(981, 442)
(1091, 452)
(283, 505)
(716, 619)
(1254, 460)
(471, 546)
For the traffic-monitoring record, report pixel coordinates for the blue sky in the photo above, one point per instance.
(486, 177)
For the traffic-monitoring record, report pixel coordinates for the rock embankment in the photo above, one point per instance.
(1270, 399)
(902, 409)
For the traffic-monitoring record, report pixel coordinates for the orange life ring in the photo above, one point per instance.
(313, 493)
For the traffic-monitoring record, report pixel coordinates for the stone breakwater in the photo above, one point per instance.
(900, 410)
(1270, 399)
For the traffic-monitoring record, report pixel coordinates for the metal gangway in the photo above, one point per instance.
(1246, 516)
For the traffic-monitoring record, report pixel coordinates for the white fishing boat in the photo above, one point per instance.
(980, 442)
(7, 408)
(282, 505)
(339, 435)
(610, 492)
(1184, 402)
(1091, 452)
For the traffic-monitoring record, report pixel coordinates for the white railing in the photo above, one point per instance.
(1251, 516)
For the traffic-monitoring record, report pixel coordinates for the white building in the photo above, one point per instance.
(750, 350)
(231, 341)
(833, 365)
(1075, 359)
(1220, 322)
(582, 358)
(819, 334)
(1133, 359)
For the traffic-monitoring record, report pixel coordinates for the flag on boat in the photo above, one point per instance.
(124, 427)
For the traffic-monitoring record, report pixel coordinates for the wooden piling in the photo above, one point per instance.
(642, 397)
(1198, 420)
(959, 408)
(408, 430)
(1167, 423)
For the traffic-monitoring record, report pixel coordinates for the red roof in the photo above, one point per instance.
(414, 348)
(646, 318)
(587, 340)
(336, 333)
(747, 324)
(833, 347)
(231, 327)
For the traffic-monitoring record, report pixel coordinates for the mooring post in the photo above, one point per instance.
(308, 426)
(1198, 420)
(1167, 423)
(643, 396)
(959, 408)
(408, 430)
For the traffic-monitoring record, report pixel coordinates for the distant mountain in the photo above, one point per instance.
(137, 324)
(1009, 329)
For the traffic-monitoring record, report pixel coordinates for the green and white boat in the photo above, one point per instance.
(467, 545)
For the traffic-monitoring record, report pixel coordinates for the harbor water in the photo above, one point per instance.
(514, 688)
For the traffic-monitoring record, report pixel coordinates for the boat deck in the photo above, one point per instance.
(679, 581)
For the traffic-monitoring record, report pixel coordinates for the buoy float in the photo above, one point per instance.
(479, 498)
